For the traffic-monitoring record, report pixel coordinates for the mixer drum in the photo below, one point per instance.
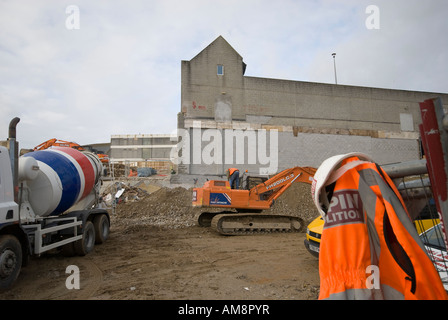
(65, 176)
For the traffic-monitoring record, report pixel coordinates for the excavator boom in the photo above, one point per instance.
(104, 158)
(278, 184)
(57, 143)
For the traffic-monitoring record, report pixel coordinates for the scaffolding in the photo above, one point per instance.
(423, 185)
(413, 183)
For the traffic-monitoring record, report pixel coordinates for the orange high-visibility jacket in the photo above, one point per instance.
(232, 171)
(369, 247)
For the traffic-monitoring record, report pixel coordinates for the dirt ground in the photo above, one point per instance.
(156, 251)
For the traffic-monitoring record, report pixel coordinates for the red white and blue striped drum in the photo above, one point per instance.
(65, 177)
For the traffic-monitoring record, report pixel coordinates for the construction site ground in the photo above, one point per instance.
(156, 251)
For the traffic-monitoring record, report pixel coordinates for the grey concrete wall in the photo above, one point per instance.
(326, 105)
(315, 120)
(202, 88)
(311, 149)
(216, 153)
(287, 102)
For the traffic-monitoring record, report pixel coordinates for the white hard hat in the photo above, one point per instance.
(328, 172)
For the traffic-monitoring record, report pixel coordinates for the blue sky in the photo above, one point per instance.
(119, 73)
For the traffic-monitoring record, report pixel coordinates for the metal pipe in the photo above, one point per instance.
(407, 168)
(14, 156)
(435, 144)
(12, 128)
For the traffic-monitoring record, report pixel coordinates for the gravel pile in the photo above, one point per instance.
(171, 208)
(296, 201)
(166, 207)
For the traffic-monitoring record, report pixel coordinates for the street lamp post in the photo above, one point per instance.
(334, 63)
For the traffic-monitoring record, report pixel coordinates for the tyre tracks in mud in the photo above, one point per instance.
(45, 278)
(171, 264)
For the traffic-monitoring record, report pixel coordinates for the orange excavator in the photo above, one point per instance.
(249, 204)
(104, 158)
(57, 143)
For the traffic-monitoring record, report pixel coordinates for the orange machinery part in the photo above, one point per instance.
(216, 193)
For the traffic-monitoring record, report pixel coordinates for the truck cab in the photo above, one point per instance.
(8, 208)
(13, 241)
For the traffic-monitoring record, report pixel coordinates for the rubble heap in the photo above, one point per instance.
(123, 193)
(171, 208)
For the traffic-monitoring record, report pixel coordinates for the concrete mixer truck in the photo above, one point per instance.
(49, 200)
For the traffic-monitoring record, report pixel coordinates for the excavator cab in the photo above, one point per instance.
(248, 182)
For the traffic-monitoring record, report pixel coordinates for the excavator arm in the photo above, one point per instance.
(104, 158)
(45, 145)
(57, 143)
(274, 187)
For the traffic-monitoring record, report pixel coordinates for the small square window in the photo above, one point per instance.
(220, 70)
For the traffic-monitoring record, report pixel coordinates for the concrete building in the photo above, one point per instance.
(302, 122)
(143, 150)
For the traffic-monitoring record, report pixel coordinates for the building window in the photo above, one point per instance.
(220, 70)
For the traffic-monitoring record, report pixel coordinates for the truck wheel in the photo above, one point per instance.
(86, 244)
(10, 260)
(101, 224)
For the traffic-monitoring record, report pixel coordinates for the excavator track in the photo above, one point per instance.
(247, 224)
(205, 218)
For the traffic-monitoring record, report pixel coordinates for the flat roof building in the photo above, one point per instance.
(143, 150)
(228, 119)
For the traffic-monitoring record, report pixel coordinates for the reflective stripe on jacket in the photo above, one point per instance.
(369, 247)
